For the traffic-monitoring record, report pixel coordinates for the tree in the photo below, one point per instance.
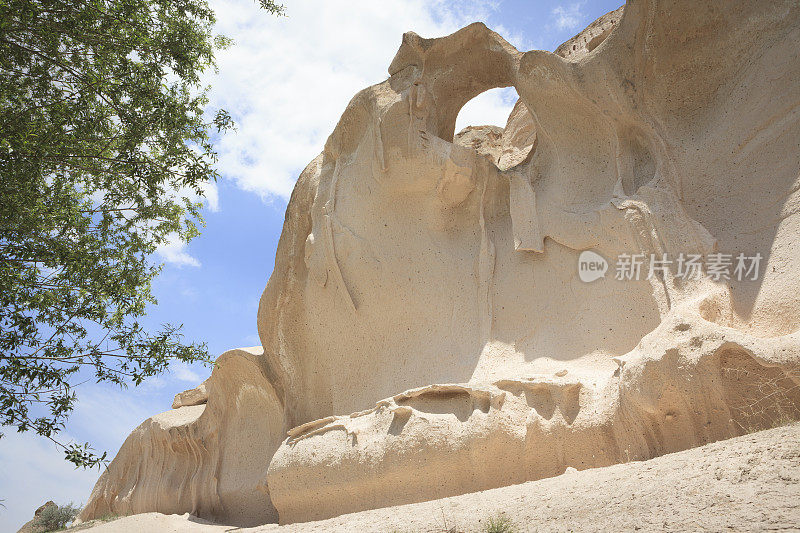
(104, 153)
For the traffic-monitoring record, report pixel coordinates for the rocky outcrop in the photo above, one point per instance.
(209, 459)
(747, 483)
(447, 266)
(687, 384)
(33, 526)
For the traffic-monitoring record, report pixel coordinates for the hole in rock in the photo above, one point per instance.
(490, 108)
(595, 41)
(457, 402)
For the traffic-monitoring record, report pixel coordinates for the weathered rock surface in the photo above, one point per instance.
(749, 483)
(209, 459)
(447, 267)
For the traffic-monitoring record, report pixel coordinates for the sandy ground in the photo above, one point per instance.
(750, 483)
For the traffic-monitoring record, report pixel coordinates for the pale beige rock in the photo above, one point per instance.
(749, 483)
(446, 267)
(207, 459)
(519, 138)
(590, 38)
(682, 387)
(195, 396)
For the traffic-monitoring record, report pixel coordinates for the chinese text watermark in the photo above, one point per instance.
(633, 267)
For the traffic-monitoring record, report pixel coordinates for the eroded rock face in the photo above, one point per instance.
(206, 457)
(447, 267)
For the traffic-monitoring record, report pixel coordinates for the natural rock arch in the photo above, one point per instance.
(430, 287)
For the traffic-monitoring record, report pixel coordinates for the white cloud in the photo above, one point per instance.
(287, 80)
(569, 16)
(183, 372)
(211, 196)
(174, 252)
(491, 107)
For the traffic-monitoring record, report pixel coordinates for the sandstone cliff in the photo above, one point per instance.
(428, 283)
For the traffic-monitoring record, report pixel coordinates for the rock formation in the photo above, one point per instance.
(429, 283)
(33, 525)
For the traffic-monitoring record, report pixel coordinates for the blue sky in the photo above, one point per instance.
(285, 82)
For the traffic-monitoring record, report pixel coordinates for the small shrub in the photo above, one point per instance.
(500, 524)
(55, 517)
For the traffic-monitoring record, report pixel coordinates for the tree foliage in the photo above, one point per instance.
(104, 153)
(271, 7)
